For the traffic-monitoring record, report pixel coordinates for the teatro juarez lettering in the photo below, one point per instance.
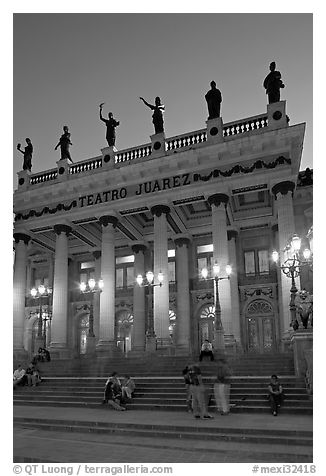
(139, 189)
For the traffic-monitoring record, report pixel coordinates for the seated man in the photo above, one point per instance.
(19, 377)
(206, 349)
(276, 395)
(112, 392)
(33, 375)
(128, 387)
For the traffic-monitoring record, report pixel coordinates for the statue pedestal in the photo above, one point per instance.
(276, 115)
(23, 179)
(214, 130)
(63, 170)
(158, 144)
(108, 157)
(302, 341)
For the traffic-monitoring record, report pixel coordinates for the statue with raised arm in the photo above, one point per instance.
(111, 124)
(213, 98)
(27, 153)
(157, 116)
(64, 143)
(273, 83)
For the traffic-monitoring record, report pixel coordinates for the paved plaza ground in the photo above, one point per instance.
(44, 445)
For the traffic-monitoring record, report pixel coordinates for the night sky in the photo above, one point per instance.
(66, 64)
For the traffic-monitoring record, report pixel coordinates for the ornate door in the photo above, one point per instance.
(260, 327)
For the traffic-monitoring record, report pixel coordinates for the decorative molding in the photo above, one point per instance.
(33, 213)
(105, 220)
(237, 169)
(200, 297)
(283, 188)
(159, 209)
(21, 237)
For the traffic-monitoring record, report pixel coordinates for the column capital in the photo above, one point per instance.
(62, 229)
(283, 188)
(217, 199)
(159, 209)
(97, 254)
(275, 227)
(105, 220)
(138, 248)
(21, 237)
(182, 240)
(232, 234)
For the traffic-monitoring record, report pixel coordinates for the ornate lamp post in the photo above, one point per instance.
(40, 293)
(218, 326)
(92, 287)
(148, 281)
(295, 260)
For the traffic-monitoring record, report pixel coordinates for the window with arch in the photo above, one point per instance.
(208, 312)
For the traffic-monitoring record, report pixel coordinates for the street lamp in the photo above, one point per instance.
(215, 276)
(40, 293)
(295, 260)
(148, 281)
(92, 286)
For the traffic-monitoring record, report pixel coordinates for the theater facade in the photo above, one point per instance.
(227, 194)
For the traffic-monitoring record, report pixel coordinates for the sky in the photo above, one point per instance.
(65, 65)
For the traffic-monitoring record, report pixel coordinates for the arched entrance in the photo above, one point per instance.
(206, 324)
(124, 321)
(260, 327)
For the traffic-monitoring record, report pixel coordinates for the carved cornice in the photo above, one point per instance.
(105, 220)
(232, 234)
(159, 209)
(62, 229)
(97, 254)
(21, 237)
(217, 199)
(137, 248)
(283, 188)
(58, 208)
(180, 241)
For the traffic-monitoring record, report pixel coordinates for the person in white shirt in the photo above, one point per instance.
(19, 377)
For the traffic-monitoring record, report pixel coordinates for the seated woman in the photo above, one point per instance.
(128, 388)
(112, 396)
(275, 394)
(33, 375)
(206, 349)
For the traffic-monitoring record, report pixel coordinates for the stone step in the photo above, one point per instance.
(286, 437)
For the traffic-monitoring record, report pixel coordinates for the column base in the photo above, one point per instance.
(59, 352)
(218, 341)
(20, 354)
(106, 349)
(150, 344)
(90, 345)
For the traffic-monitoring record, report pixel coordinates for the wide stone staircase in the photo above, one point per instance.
(160, 386)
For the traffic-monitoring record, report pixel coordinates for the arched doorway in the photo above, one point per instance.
(206, 324)
(124, 321)
(260, 327)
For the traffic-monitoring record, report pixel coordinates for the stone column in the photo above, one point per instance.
(161, 293)
(19, 292)
(283, 193)
(232, 235)
(58, 345)
(107, 298)
(218, 203)
(138, 342)
(96, 298)
(183, 296)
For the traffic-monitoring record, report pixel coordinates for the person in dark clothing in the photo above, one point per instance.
(187, 381)
(275, 394)
(222, 387)
(112, 392)
(206, 349)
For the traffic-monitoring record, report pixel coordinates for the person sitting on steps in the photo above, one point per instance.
(19, 377)
(206, 349)
(113, 393)
(275, 394)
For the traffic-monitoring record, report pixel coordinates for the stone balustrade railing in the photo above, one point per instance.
(172, 144)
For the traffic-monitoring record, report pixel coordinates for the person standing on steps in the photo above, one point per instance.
(275, 394)
(222, 387)
(187, 381)
(206, 349)
(197, 391)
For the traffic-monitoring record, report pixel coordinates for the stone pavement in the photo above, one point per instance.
(42, 445)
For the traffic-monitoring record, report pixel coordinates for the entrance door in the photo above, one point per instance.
(260, 328)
